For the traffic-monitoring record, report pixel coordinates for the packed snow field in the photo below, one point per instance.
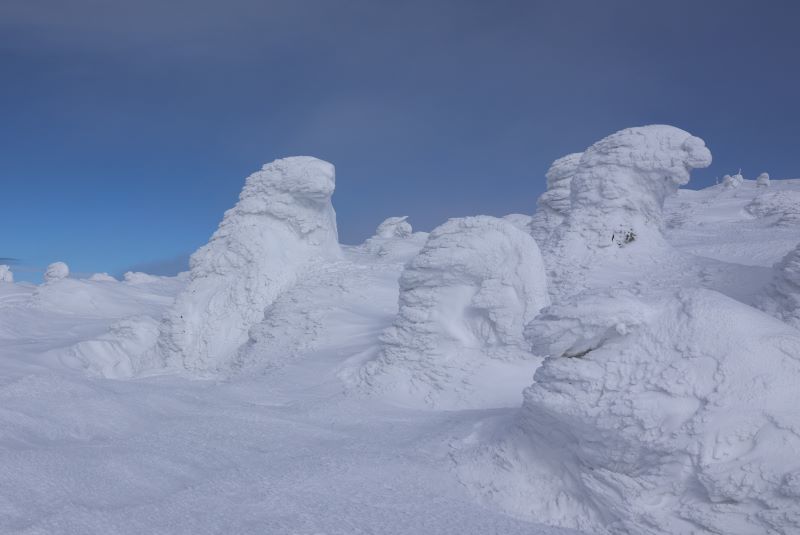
(623, 360)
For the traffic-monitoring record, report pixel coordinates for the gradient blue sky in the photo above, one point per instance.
(127, 128)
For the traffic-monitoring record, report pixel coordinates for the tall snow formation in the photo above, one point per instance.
(283, 221)
(783, 294)
(56, 271)
(733, 181)
(763, 180)
(6, 275)
(652, 415)
(554, 203)
(395, 241)
(617, 196)
(394, 227)
(464, 300)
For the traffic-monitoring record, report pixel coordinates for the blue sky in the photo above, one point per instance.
(128, 127)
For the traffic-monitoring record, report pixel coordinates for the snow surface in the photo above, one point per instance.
(412, 384)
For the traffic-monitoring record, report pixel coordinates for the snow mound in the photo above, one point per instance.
(6, 274)
(137, 277)
(464, 299)
(102, 277)
(100, 299)
(521, 221)
(781, 208)
(783, 294)
(668, 413)
(763, 180)
(121, 352)
(283, 221)
(553, 204)
(56, 271)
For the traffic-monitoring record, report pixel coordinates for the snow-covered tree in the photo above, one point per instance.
(5, 273)
(464, 300)
(56, 271)
(283, 220)
(553, 204)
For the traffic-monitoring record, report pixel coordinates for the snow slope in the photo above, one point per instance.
(663, 401)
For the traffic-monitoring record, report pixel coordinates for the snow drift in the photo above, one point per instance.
(783, 294)
(283, 220)
(666, 413)
(780, 208)
(464, 299)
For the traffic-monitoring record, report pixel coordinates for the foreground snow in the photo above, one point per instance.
(390, 387)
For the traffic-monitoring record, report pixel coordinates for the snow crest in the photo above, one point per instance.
(283, 221)
(464, 300)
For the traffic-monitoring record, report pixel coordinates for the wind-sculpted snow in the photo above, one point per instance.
(657, 407)
(780, 208)
(660, 413)
(55, 272)
(763, 180)
(464, 299)
(6, 275)
(283, 220)
(121, 352)
(783, 294)
(395, 241)
(616, 200)
(733, 181)
(553, 204)
(521, 221)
